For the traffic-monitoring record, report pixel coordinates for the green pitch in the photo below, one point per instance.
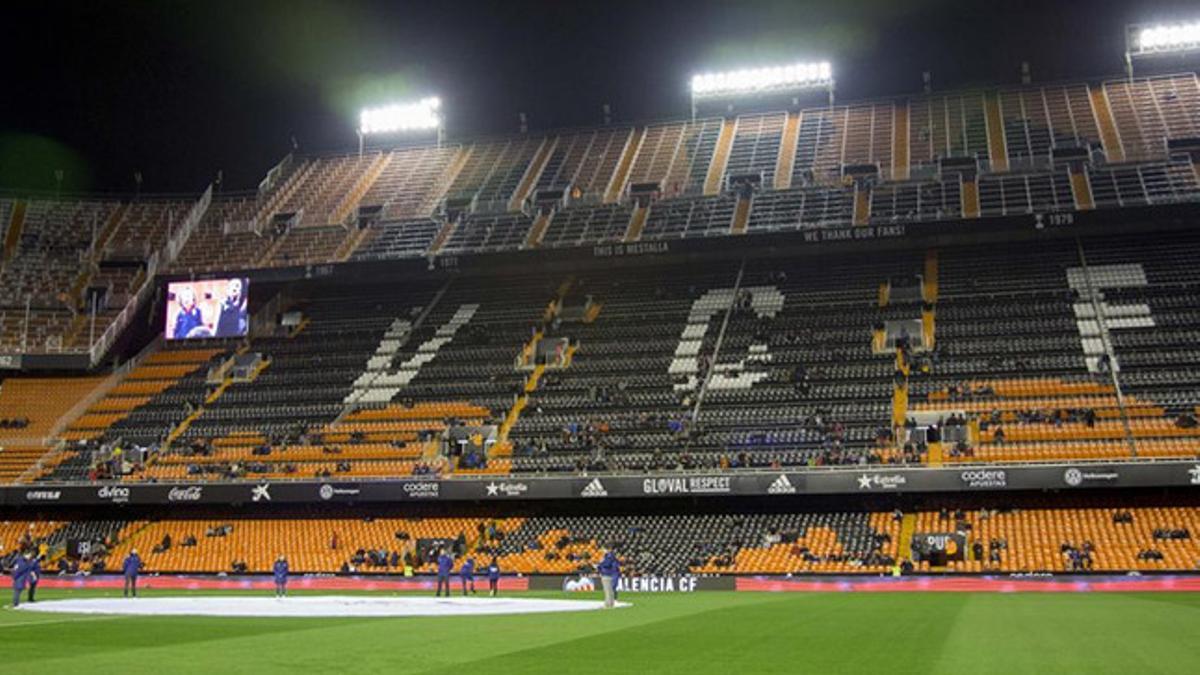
(952, 633)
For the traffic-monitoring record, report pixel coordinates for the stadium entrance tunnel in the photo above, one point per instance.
(312, 606)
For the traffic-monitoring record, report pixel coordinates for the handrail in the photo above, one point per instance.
(844, 468)
(160, 258)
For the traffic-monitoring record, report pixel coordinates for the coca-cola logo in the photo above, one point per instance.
(191, 493)
(114, 493)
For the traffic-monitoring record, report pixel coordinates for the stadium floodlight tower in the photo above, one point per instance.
(1180, 41)
(401, 119)
(767, 83)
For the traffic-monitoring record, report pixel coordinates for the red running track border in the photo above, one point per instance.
(947, 584)
(916, 584)
(295, 583)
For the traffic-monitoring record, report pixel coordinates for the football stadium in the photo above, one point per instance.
(785, 380)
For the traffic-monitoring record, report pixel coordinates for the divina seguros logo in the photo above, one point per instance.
(114, 493)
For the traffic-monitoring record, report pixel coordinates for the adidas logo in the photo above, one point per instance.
(781, 486)
(594, 489)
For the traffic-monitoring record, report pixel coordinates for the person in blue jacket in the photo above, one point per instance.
(20, 576)
(35, 575)
(610, 573)
(444, 565)
(467, 574)
(130, 567)
(189, 317)
(281, 577)
(493, 575)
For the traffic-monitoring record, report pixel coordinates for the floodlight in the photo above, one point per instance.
(752, 81)
(1165, 38)
(420, 116)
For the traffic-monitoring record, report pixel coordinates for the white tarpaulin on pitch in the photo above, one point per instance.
(310, 606)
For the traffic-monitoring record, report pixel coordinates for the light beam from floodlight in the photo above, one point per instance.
(424, 115)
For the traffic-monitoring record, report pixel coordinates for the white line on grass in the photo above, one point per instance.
(22, 624)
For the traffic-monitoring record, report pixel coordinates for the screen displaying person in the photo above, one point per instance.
(189, 317)
(233, 320)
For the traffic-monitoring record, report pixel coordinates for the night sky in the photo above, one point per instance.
(179, 90)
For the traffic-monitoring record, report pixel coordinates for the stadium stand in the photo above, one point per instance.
(1033, 539)
(30, 409)
(384, 204)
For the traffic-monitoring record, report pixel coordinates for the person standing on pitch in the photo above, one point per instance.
(444, 565)
(281, 577)
(610, 573)
(20, 576)
(35, 575)
(493, 574)
(467, 574)
(131, 566)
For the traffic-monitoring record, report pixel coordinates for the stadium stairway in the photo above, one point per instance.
(443, 235)
(1081, 188)
(929, 281)
(616, 187)
(532, 172)
(538, 231)
(347, 206)
(262, 218)
(997, 146)
(900, 391)
(16, 223)
(908, 525)
(720, 157)
(900, 140)
(787, 151)
(89, 268)
(637, 222)
(1109, 136)
(970, 197)
(741, 214)
(862, 204)
(150, 396)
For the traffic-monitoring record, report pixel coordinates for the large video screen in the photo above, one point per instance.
(214, 308)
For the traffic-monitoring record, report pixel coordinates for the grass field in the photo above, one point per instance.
(709, 632)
